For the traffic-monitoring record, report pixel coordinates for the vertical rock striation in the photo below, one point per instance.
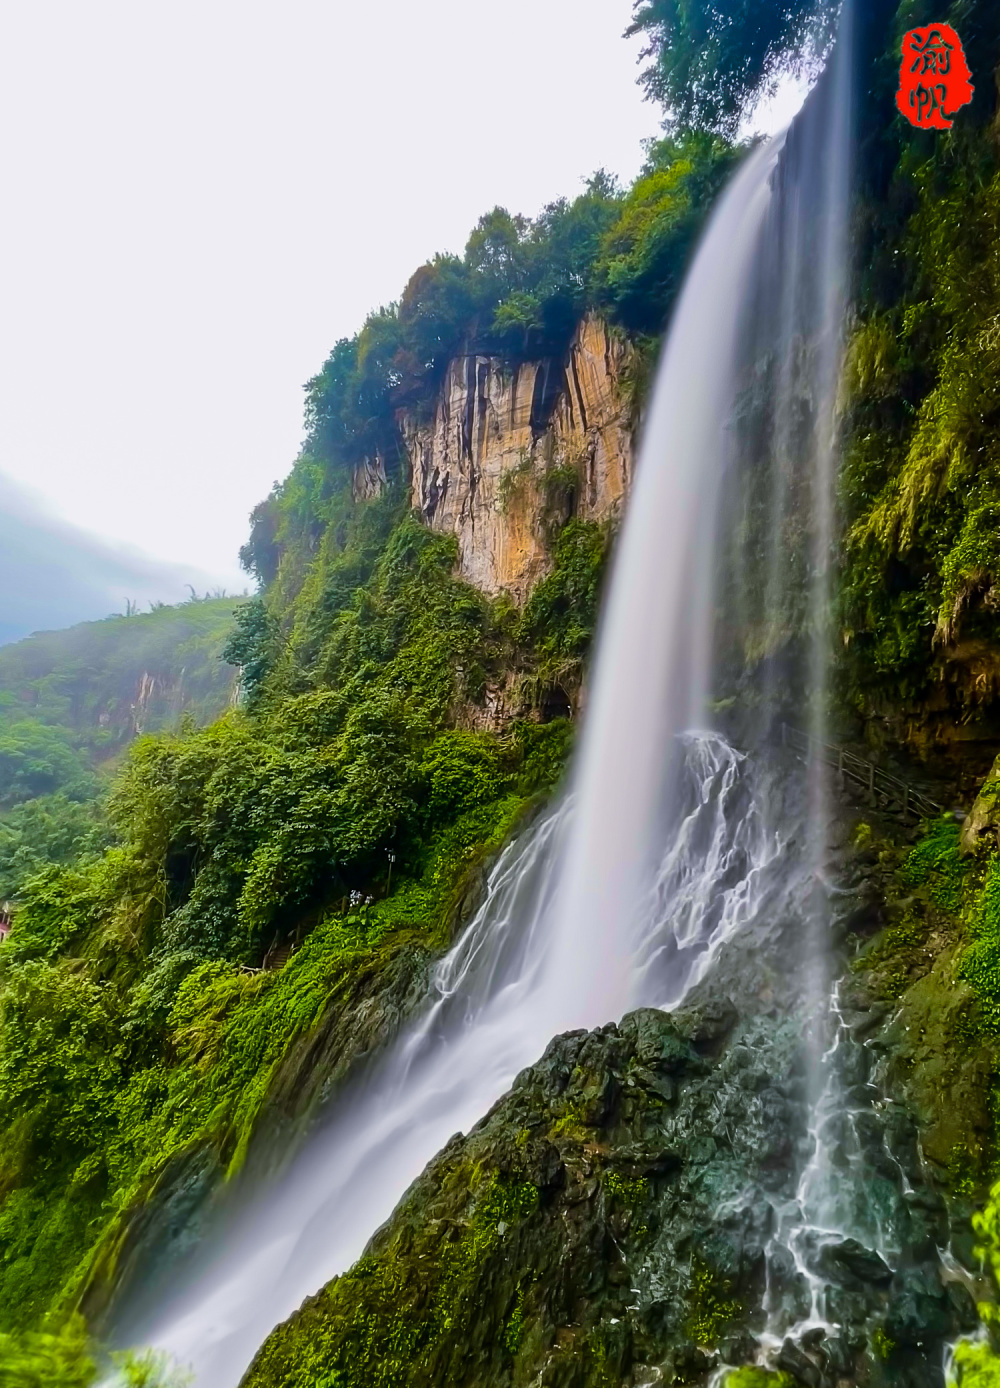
(510, 447)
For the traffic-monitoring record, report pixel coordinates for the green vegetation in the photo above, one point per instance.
(921, 485)
(976, 1362)
(975, 1366)
(519, 293)
(713, 62)
(44, 830)
(711, 1311)
(339, 812)
(72, 701)
(262, 872)
(752, 1377)
(98, 684)
(380, 1325)
(64, 1358)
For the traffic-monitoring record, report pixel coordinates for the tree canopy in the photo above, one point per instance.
(714, 59)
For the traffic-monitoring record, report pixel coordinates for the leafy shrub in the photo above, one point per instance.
(48, 1359)
(51, 829)
(975, 1365)
(561, 614)
(36, 759)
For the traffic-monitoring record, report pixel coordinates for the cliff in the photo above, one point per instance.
(510, 449)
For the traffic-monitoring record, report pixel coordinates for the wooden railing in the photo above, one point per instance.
(878, 786)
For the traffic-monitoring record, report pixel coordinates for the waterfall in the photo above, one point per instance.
(667, 845)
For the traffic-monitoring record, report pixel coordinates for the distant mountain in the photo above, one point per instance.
(103, 683)
(72, 701)
(54, 575)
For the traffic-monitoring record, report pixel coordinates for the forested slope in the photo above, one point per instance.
(71, 703)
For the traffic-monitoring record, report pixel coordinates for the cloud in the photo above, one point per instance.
(53, 574)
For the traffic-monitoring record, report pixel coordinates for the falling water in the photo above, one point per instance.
(665, 847)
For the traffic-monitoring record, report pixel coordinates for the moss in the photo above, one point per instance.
(882, 1345)
(753, 1377)
(710, 1310)
(980, 963)
(513, 481)
(934, 963)
(975, 1364)
(632, 1193)
(921, 483)
(935, 865)
(573, 1122)
(378, 1325)
(515, 1326)
(58, 1357)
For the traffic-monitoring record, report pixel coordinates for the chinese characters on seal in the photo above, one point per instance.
(934, 80)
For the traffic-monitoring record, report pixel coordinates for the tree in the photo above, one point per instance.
(713, 59)
(645, 253)
(496, 257)
(434, 314)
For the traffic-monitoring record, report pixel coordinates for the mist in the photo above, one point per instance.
(53, 574)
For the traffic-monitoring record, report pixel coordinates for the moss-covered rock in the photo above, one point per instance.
(572, 1235)
(983, 821)
(612, 1221)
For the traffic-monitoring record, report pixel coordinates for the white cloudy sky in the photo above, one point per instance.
(201, 197)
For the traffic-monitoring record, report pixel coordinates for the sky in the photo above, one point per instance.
(202, 197)
(53, 574)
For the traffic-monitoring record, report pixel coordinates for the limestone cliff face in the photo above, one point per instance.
(368, 478)
(509, 446)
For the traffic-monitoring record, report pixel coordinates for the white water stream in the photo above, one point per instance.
(617, 899)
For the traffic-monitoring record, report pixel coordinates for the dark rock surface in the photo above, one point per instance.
(612, 1221)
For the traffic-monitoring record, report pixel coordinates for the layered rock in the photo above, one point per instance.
(511, 449)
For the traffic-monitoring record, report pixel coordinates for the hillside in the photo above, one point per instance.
(390, 707)
(72, 701)
(109, 681)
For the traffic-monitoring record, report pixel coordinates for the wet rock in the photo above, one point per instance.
(849, 1308)
(709, 1022)
(837, 1356)
(634, 1225)
(963, 1307)
(792, 1360)
(644, 1174)
(920, 1310)
(739, 1349)
(849, 1262)
(789, 1291)
(662, 1046)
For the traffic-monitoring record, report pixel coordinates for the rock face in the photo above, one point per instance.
(510, 449)
(368, 478)
(611, 1222)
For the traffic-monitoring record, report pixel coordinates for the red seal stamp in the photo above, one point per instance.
(934, 80)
